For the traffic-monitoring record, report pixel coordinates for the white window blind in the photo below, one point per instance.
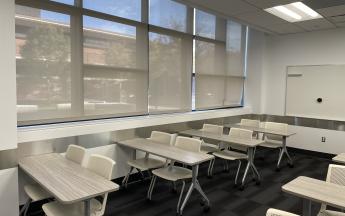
(43, 52)
(219, 62)
(170, 58)
(170, 73)
(115, 68)
(80, 60)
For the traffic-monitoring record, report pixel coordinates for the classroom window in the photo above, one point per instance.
(104, 60)
(43, 50)
(218, 62)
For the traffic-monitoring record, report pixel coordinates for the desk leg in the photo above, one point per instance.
(195, 185)
(282, 152)
(306, 207)
(87, 207)
(250, 164)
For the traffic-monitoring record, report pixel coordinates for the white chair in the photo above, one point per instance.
(75, 153)
(174, 173)
(251, 123)
(148, 163)
(335, 175)
(209, 148)
(276, 212)
(274, 141)
(102, 166)
(240, 151)
(36, 193)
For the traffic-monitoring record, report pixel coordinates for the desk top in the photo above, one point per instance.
(261, 130)
(340, 158)
(317, 191)
(66, 180)
(223, 138)
(165, 151)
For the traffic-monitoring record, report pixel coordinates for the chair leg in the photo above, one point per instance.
(238, 171)
(149, 193)
(211, 171)
(125, 179)
(25, 207)
(180, 198)
(141, 174)
(209, 168)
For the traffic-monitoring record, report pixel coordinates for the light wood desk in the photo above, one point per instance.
(250, 144)
(317, 191)
(170, 152)
(340, 158)
(66, 180)
(284, 133)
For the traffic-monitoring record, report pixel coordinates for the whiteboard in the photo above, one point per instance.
(305, 84)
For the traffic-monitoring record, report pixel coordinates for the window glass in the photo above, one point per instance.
(130, 9)
(205, 24)
(235, 48)
(43, 54)
(168, 14)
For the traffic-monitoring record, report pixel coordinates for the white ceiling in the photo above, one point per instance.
(251, 12)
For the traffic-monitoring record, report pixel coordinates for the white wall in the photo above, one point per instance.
(255, 59)
(8, 116)
(313, 48)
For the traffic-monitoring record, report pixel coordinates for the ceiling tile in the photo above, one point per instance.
(227, 7)
(332, 11)
(337, 19)
(269, 3)
(318, 4)
(260, 18)
(287, 28)
(316, 24)
(340, 24)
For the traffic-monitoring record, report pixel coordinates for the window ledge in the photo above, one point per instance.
(54, 131)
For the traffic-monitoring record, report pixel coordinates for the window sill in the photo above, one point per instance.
(45, 132)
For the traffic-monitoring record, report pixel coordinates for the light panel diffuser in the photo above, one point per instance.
(294, 12)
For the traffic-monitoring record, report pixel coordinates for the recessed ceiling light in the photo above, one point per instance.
(304, 8)
(294, 12)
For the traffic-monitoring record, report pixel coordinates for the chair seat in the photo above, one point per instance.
(330, 213)
(230, 155)
(276, 212)
(57, 209)
(208, 148)
(146, 163)
(173, 173)
(36, 192)
(271, 144)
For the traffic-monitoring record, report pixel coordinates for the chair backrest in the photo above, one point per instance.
(75, 153)
(335, 175)
(188, 144)
(250, 122)
(162, 137)
(277, 127)
(104, 167)
(242, 134)
(276, 212)
(211, 128)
